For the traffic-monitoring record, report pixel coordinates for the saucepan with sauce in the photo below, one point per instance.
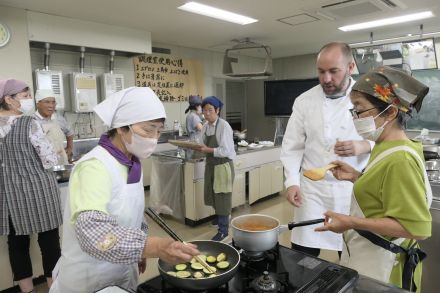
(257, 232)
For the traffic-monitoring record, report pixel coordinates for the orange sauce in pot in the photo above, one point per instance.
(255, 226)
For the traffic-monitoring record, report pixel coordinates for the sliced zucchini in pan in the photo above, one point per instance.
(212, 275)
(213, 270)
(171, 273)
(181, 267)
(198, 275)
(196, 266)
(223, 265)
(221, 257)
(211, 259)
(183, 274)
(202, 256)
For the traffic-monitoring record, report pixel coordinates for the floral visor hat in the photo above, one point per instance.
(393, 86)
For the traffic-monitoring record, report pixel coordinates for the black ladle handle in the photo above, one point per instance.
(304, 223)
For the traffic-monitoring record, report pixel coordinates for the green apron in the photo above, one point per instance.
(221, 202)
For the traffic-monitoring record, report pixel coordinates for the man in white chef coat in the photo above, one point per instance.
(319, 131)
(55, 126)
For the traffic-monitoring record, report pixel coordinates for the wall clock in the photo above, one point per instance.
(5, 35)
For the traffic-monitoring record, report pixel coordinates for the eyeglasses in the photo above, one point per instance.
(356, 114)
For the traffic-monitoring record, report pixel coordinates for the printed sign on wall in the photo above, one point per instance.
(173, 79)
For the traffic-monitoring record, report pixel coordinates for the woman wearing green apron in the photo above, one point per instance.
(391, 197)
(219, 169)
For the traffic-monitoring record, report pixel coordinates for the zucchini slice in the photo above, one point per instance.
(171, 273)
(221, 257)
(183, 274)
(197, 266)
(211, 259)
(223, 265)
(198, 275)
(181, 267)
(213, 269)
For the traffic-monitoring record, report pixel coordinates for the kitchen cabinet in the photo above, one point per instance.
(265, 180)
(239, 189)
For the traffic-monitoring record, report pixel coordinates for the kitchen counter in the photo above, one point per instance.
(258, 169)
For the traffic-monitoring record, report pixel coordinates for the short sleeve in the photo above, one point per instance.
(90, 188)
(404, 197)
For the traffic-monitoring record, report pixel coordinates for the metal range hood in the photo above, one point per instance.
(242, 47)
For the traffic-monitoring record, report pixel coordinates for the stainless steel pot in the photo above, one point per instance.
(432, 165)
(62, 172)
(261, 240)
(431, 148)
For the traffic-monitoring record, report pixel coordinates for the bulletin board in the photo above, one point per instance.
(429, 114)
(173, 79)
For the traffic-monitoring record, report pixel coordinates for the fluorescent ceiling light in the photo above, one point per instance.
(213, 12)
(389, 40)
(386, 21)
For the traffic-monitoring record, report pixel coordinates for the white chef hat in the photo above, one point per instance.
(129, 106)
(44, 93)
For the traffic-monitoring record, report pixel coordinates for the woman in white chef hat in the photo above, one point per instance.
(105, 237)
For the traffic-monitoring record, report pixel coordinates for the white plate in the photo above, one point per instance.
(266, 143)
(254, 146)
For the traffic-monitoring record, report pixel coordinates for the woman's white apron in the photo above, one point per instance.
(77, 271)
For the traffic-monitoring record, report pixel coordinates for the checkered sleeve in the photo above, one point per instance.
(100, 236)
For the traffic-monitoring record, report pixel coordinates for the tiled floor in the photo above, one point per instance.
(276, 207)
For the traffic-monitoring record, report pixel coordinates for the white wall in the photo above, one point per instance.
(19, 61)
(15, 61)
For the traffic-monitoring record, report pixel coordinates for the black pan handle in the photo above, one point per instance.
(304, 223)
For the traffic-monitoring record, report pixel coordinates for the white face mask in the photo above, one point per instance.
(141, 147)
(26, 106)
(366, 127)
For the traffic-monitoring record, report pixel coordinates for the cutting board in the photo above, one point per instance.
(185, 143)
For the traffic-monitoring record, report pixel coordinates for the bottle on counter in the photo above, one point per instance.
(177, 127)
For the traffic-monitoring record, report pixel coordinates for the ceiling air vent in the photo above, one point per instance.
(354, 8)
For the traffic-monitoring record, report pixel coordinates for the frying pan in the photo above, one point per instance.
(206, 247)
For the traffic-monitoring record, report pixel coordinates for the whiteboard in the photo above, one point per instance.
(429, 116)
